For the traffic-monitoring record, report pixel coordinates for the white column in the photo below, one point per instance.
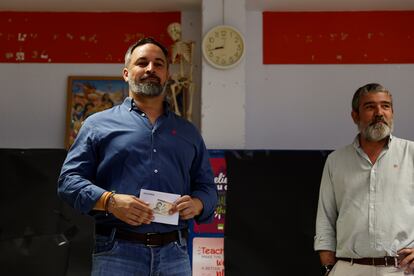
(223, 91)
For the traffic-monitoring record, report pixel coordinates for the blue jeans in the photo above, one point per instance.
(122, 258)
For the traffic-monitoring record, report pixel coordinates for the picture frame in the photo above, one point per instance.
(87, 95)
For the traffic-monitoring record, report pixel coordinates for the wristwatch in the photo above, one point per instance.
(325, 269)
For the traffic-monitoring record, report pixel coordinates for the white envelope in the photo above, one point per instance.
(161, 203)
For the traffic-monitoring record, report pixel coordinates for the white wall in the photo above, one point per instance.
(223, 91)
(309, 106)
(33, 101)
(33, 95)
(254, 106)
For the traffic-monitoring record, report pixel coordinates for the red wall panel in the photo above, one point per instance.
(74, 37)
(338, 37)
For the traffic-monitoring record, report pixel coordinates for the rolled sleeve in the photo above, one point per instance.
(325, 238)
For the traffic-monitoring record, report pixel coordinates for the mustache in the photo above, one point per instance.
(378, 119)
(150, 77)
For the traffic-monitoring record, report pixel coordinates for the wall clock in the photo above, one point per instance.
(223, 46)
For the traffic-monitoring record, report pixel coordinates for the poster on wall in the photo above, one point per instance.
(351, 37)
(218, 164)
(208, 256)
(78, 37)
(207, 240)
(88, 95)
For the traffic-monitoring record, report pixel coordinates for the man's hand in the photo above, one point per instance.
(327, 259)
(130, 209)
(187, 207)
(406, 259)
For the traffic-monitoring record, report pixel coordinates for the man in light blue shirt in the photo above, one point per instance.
(365, 219)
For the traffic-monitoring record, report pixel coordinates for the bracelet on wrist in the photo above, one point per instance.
(109, 200)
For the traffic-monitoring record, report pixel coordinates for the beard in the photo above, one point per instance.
(143, 88)
(376, 130)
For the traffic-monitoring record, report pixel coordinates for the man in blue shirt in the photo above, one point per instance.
(139, 144)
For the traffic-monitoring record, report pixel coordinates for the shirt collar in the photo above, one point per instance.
(130, 104)
(357, 145)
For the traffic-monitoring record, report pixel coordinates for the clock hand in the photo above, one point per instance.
(217, 48)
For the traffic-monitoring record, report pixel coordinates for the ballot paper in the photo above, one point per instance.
(161, 203)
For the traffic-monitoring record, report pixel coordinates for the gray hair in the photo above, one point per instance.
(143, 41)
(366, 89)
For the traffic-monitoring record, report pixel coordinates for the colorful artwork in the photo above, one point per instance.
(218, 164)
(87, 95)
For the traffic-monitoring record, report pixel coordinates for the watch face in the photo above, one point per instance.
(223, 47)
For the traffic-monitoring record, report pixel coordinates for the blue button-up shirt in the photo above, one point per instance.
(120, 150)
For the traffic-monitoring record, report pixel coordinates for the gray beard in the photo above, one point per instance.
(146, 89)
(376, 132)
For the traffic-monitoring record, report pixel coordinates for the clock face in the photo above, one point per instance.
(223, 47)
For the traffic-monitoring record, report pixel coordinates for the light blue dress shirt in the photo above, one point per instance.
(365, 209)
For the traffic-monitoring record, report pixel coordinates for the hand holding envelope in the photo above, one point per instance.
(188, 207)
(168, 207)
(131, 209)
(161, 204)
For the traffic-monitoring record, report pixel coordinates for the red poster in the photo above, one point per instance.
(338, 37)
(218, 164)
(77, 37)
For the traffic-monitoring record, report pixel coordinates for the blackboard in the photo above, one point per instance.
(271, 212)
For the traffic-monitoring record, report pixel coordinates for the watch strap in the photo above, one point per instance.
(326, 269)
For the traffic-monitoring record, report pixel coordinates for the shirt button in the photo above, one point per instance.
(155, 171)
(154, 150)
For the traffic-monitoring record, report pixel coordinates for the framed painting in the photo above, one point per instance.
(88, 95)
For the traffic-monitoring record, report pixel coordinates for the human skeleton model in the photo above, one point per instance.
(181, 53)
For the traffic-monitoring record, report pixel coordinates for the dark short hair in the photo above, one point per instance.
(366, 89)
(144, 41)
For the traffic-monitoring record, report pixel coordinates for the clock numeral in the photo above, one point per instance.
(216, 34)
(217, 59)
(231, 59)
(211, 39)
(223, 61)
(223, 33)
(210, 54)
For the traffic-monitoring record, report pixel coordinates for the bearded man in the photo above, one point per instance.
(365, 222)
(137, 145)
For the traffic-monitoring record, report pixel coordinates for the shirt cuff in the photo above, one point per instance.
(324, 243)
(207, 213)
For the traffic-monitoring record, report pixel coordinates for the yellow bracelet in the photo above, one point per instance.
(107, 201)
(100, 204)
